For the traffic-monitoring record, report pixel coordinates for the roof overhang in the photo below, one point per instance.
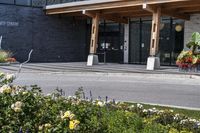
(123, 9)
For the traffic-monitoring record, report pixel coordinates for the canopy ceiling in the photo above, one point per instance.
(124, 9)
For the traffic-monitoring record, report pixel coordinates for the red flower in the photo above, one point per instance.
(10, 60)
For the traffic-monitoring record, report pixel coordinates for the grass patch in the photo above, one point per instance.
(191, 113)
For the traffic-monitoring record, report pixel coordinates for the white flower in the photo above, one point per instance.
(5, 89)
(150, 110)
(176, 117)
(74, 97)
(40, 127)
(100, 103)
(161, 112)
(154, 110)
(116, 102)
(139, 106)
(183, 121)
(198, 124)
(144, 111)
(18, 104)
(47, 125)
(1, 74)
(17, 109)
(10, 76)
(25, 92)
(48, 94)
(12, 106)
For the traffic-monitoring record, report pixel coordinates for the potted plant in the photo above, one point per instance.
(6, 56)
(189, 60)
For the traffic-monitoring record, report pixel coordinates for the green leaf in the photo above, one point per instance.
(195, 59)
(196, 38)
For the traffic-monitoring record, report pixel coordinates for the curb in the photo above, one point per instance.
(172, 106)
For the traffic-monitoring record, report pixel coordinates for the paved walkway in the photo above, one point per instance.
(81, 67)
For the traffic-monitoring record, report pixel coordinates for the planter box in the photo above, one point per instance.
(8, 63)
(191, 68)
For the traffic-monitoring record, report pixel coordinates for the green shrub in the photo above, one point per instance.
(28, 109)
(4, 55)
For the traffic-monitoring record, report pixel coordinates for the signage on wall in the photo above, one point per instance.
(9, 23)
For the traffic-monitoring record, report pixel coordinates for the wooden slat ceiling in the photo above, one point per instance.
(127, 8)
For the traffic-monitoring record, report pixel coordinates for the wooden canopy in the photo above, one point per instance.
(121, 10)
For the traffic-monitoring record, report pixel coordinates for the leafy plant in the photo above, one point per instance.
(194, 42)
(4, 55)
(190, 58)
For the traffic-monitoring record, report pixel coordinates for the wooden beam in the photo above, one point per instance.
(176, 15)
(148, 8)
(122, 9)
(171, 13)
(94, 34)
(115, 18)
(191, 3)
(155, 31)
(94, 5)
(89, 14)
(195, 8)
(134, 14)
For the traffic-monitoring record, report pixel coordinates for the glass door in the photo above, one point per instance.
(110, 47)
(170, 44)
(139, 41)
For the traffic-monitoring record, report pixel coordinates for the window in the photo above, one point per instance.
(38, 3)
(23, 2)
(7, 1)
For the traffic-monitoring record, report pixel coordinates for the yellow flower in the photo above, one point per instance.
(66, 115)
(73, 124)
(71, 116)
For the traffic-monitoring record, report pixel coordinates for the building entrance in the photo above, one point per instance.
(110, 46)
(170, 45)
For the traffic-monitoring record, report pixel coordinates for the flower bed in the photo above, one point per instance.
(189, 61)
(6, 57)
(27, 110)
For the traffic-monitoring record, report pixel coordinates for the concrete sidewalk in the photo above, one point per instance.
(103, 68)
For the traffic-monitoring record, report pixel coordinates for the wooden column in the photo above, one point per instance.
(155, 31)
(94, 34)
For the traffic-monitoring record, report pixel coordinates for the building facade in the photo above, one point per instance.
(66, 38)
(24, 26)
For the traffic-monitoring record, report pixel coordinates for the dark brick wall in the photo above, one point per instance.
(53, 38)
